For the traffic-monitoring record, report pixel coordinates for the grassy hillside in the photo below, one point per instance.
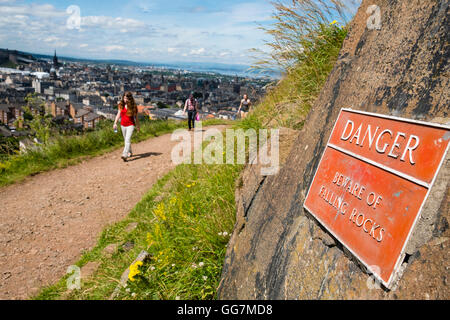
(186, 218)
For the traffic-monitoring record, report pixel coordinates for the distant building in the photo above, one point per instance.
(172, 87)
(107, 113)
(53, 75)
(145, 109)
(4, 110)
(37, 86)
(77, 112)
(56, 64)
(91, 120)
(165, 114)
(61, 108)
(18, 112)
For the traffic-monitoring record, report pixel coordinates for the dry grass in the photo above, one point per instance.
(306, 40)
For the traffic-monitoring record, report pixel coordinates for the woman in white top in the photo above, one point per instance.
(244, 106)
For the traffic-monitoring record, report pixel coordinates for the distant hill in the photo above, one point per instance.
(202, 67)
(221, 68)
(11, 58)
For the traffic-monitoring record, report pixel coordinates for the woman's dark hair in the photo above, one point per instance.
(131, 105)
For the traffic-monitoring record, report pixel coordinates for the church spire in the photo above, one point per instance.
(55, 61)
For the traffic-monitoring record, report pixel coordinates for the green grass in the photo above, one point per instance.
(180, 223)
(63, 151)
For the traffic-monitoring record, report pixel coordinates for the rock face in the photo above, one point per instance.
(278, 250)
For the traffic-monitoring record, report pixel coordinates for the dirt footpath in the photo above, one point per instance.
(48, 220)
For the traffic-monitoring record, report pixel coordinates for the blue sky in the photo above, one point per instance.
(138, 30)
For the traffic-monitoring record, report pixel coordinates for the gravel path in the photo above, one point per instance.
(48, 220)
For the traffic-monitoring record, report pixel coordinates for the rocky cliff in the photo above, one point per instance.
(278, 250)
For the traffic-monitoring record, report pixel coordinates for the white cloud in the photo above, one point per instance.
(51, 39)
(198, 51)
(37, 10)
(110, 22)
(114, 48)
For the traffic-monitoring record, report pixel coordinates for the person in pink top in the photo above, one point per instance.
(128, 113)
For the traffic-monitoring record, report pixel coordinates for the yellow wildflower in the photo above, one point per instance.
(158, 233)
(149, 239)
(334, 22)
(159, 212)
(134, 270)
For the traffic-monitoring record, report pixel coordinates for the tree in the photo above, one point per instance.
(39, 124)
(8, 146)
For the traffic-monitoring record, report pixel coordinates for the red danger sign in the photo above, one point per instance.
(372, 181)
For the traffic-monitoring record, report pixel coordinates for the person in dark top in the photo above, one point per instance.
(244, 106)
(191, 105)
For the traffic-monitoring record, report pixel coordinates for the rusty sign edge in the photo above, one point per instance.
(385, 116)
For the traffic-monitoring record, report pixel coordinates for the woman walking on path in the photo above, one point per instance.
(129, 120)
(192, 107)
(244, 106)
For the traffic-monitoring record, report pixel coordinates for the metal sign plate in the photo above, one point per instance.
(372, 181)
